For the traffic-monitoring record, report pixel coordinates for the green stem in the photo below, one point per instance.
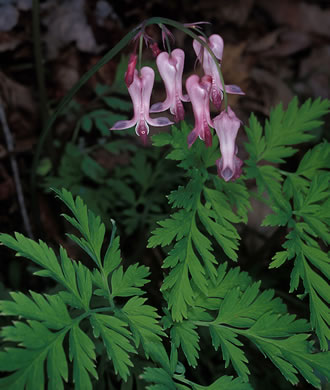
(140, 51)
(89, 312)
(284, 173)
(183, 380)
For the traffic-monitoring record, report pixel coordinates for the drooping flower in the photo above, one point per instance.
(198, 91)
(140, 92)
(215, 43)
(226, 125)
(170, 67)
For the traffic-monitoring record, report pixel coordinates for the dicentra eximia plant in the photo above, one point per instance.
(96, 329)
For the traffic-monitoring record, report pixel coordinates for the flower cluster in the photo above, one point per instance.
(200, 91)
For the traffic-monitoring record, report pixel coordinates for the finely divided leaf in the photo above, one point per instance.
(37, 344)
(82, 353)
(128, 283)
(225, 383)
(142, 320)
(184, 334)
(116, 338)
(48, 309)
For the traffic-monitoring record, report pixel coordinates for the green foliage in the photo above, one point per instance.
(228, 303)
(300, 202)
(46, 321)
(235, 308)
(225, 382)
(132, 194)
(163, 381)
(100, 315)
(191, 260)
(274, 142)
(138, 189)
(283, 129)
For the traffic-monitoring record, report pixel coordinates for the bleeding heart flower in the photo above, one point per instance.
(215, 43)
(226, 125)
(198, 91)
(140, 92)
(170, 67)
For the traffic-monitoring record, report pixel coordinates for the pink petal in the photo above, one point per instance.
(121, 125)
(147, 83)
(198, 91)
(227, 125)
(234, 89)
(135, 91)
(171, 69)
(129, 75)
(216, 45)
(159, 107)
(199, 49)
(179, 55)
(207, 136)
(155, 49)
(192, 136)
(227, 173)
(167, 72)
(216, 95)
(159, 122)
(178, 110)
(142, 130)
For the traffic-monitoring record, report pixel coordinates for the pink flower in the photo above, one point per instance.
(225, 172)
(155, 49)
(170, 67)
(129, 75)
(226, 125)
(215, 43)
(140, 92)
(198, 91)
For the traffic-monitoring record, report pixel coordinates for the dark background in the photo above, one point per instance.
(274, 50)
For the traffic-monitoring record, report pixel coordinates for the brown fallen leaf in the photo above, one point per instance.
(66, 71)
(281, 43)
(235, 11)
(105, 74)
(270, 90)
(22, 110)
(314, 73)
(16, 95)
(235, 69)
(66, 22)
(290, 42)
(298, 14)
(266, 42)
(9, 41)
